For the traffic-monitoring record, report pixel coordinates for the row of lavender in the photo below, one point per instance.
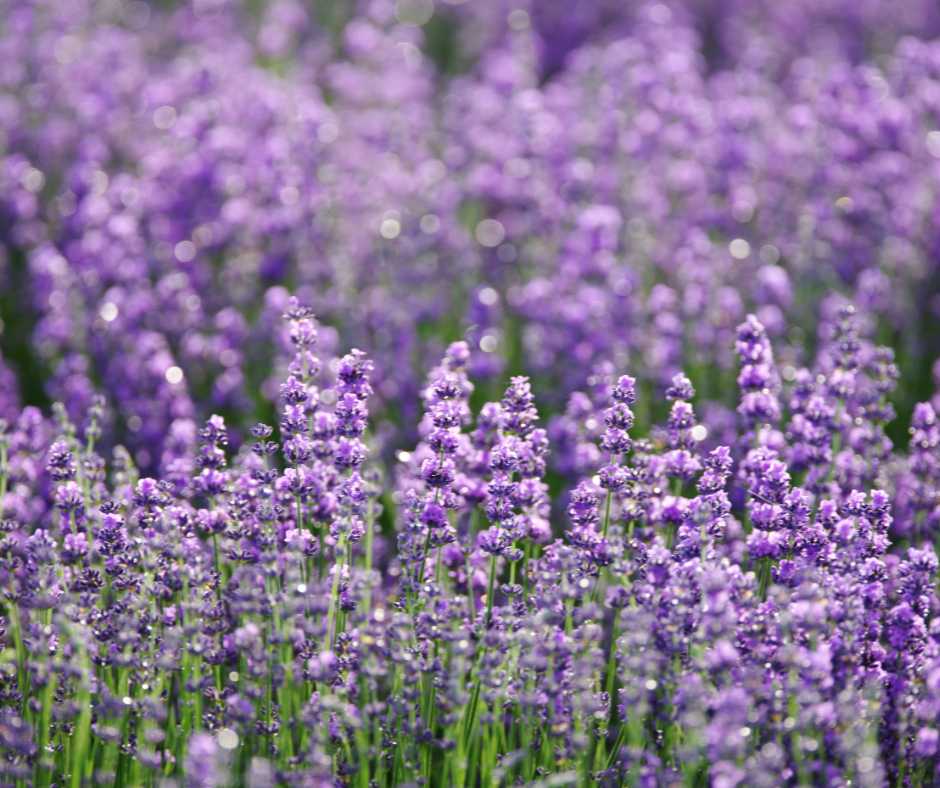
(719, 568)
(759, 613)
(167, 177)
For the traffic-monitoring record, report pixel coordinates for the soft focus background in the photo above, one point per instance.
(562, 184)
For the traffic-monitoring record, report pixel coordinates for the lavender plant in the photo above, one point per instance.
(420, 392)
(252, 622)
(558, 187)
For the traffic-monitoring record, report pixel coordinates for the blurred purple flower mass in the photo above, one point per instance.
(469, 393)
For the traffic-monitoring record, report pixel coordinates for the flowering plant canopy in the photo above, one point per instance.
(491, 393)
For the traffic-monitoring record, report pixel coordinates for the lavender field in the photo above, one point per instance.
(469, 393)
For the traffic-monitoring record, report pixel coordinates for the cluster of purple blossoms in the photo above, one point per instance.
(277, 614)
(233, 554)
(558, 192)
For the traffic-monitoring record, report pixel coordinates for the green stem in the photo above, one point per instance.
(22, 674)
(607, 514)
(490, 593)
(82, 732)
(334, 596)
(42, 733)
(370, 528)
